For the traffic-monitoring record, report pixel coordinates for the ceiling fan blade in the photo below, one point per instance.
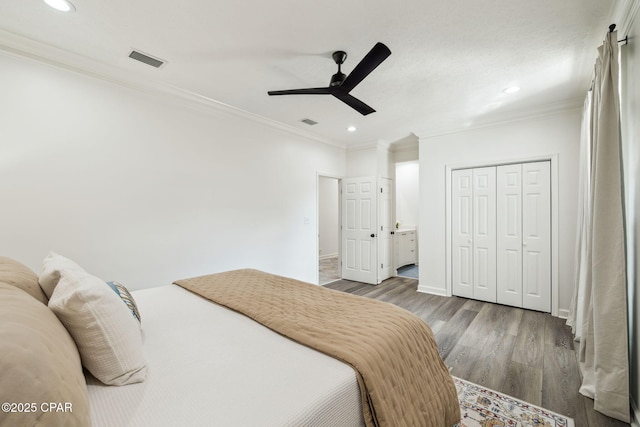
(355, 103)
(309, 91)
(375, 57)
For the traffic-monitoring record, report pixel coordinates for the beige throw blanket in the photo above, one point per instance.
(403, 381)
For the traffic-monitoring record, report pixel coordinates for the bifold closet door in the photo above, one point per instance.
(536, 236)
(461, 232)
(524, 235)
(474, 233)
(509, 234)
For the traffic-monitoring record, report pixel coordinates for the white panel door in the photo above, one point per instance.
(509, 234)
(536, 236)
(462, 232)
(385, 238)
(359, 229)
(484, 234)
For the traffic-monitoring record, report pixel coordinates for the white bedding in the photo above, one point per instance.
(210, 366)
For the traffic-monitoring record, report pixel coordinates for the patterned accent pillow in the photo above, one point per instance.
(126, 296)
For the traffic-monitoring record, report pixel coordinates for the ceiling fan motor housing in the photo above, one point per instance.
(337, 79)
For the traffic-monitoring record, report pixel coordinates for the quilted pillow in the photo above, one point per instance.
(39, 364)
(21, 276)
(107, 335)
(126, 296)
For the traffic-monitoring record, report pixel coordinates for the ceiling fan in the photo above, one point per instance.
(341, 84)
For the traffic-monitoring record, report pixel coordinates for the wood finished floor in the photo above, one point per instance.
(526, 354)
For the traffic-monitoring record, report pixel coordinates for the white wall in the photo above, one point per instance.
(407, 193)
(630, 100)
(328, 216)
(362, 161)
(386, 163)
(541, 136)
(371, 160)
(147, 189)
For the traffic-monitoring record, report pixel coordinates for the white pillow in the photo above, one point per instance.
(107, 335)
(50, 274)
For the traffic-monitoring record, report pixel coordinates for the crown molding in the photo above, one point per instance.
(624, 14)
(407, 144)
(22, 47)
(363, 147)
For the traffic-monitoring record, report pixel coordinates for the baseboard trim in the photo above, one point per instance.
(432, 290)
(328, 256)
(563, 313)
(635, 416)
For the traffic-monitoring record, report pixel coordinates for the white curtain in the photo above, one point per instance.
(578, 306)
(599, 308)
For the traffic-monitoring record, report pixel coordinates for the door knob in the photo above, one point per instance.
(373, 235)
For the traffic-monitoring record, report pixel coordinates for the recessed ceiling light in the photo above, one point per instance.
(61, 5)
(511, 89)
(351, 128)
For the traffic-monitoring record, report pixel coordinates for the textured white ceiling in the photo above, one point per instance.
(450, 59)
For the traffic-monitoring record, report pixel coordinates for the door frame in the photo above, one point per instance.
(317, 256)
(391, 267)
(553, 159)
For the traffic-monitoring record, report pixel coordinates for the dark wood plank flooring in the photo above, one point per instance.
(526, 354)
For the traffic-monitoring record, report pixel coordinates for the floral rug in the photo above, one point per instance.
(483, 407)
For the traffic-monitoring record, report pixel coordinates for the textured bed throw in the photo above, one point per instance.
(402, 378)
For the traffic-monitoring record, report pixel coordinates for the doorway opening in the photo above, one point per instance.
(407, 218)
(329, 265)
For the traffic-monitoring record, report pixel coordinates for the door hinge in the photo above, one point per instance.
(381, 265)
(381, 189)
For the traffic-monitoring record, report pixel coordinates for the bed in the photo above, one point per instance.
(207, 363)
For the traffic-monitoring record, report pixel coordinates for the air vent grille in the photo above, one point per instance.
(147, 59)
(309, 122)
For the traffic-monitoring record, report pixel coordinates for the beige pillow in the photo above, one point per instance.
(50, 274)
(21, 276)
(107, 335)
(39, 364)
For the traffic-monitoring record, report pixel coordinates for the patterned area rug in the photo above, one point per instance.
(483, 407)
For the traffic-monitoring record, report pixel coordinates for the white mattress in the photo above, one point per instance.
(210, 366)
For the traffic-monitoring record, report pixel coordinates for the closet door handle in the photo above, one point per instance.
(373, 235)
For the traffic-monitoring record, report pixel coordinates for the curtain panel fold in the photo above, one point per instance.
(598, 314)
